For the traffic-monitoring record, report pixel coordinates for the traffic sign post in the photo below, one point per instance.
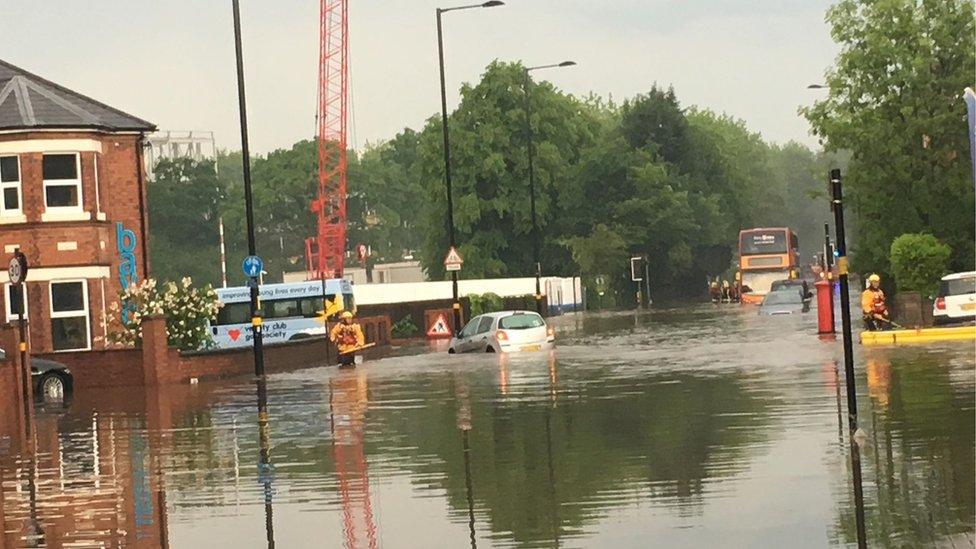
(252, 266)
(453, 260)
(452, 264)
(17, 272)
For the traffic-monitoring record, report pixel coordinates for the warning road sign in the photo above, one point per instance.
(439, 328)
(453, 260)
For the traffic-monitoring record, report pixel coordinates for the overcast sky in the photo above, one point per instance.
(172, 62)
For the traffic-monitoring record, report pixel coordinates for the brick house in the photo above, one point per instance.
(73, 200)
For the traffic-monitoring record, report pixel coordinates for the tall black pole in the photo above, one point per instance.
(456, 305)
(828, 265)
(246, 159)
(535, 225)
(845, 297)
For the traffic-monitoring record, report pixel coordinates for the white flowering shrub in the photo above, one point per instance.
(187, 310)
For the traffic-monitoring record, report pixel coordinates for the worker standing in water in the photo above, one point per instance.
(873, 305)
(348, 337)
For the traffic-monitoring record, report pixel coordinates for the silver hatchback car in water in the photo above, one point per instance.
(504, 332)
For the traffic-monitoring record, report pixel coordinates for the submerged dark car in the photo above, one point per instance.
(784, 302)
(52, 381)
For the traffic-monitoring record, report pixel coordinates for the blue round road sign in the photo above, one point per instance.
(253, 265)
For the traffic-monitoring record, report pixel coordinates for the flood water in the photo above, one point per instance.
(702, 427)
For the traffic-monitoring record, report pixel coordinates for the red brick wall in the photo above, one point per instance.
(155, 363)
(104, 368)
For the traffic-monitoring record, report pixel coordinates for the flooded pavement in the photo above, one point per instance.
(705, 427)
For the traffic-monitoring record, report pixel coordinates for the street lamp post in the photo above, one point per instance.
(245, 153)
(536, 237)
(456, 305)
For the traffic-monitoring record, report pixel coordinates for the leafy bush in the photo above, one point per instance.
(485, 303)
(404, 328)
(918, 261)
(187, 311)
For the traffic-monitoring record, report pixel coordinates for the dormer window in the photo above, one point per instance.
(62, 183)
(10, 186)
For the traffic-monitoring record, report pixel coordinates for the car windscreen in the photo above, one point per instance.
(783, 297)
(781, 284)
(958, 286)
(521, 322)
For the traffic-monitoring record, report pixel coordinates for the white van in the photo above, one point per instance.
(956, 299)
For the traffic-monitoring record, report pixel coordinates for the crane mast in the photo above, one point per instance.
(325, 251)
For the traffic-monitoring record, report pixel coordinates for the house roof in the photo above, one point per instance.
(28, 101)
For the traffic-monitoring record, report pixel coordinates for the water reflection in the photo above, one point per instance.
(265, 468)
(348, 400)
(919, 484)
(698, 428)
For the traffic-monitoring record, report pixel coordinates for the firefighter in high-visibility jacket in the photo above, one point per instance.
(348, 337)
(873, 305)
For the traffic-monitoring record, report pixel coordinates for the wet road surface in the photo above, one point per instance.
(703, 427)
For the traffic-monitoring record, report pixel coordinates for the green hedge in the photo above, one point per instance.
(918, 261)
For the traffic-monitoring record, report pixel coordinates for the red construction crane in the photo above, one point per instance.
(325, 252)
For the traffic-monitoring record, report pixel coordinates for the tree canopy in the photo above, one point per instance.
(895, 102)
(648, 176)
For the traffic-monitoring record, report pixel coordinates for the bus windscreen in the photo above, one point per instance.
(763, 242)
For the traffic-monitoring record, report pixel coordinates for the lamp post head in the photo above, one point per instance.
(567, 63)
(816, 87)
(492, 4)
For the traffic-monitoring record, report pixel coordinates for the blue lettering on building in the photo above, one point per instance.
(125, 241)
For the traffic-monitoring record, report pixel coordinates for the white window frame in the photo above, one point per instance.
(11, 317)
(63, 183)
(71, 314)
(4, 185)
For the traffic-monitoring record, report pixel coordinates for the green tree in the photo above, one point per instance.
(386, 203)
(489, 172)
(895, 102)
(184, 201)
(918, 261)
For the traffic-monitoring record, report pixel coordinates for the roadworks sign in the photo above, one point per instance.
(439, 328)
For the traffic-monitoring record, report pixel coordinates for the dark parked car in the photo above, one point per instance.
(784, 302)
(52, 380)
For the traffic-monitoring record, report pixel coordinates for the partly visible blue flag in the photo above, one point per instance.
(970, 98)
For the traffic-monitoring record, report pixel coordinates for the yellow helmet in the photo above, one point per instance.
(874, 278)
(345, 315)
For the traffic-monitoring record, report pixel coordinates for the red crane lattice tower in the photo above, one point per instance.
(325, 252)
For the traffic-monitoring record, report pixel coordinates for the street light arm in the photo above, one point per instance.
(550, 66)
(490, 4)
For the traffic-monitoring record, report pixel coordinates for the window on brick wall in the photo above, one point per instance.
(69, 316)
(14, 300)
(10, 185)
(62, 182)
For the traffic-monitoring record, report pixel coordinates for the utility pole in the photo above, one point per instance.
(258, 338)
(837, 202)
(456, 305)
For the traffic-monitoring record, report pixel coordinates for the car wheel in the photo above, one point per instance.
(489, 349)
(53, 387)
(451, 351)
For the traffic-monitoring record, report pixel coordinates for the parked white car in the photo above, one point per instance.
(956, 300)
(504, 332)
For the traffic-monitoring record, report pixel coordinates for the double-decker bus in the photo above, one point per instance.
(765, 256)
(289, 311)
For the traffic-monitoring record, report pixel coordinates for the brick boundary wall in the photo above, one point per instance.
(155, 363)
